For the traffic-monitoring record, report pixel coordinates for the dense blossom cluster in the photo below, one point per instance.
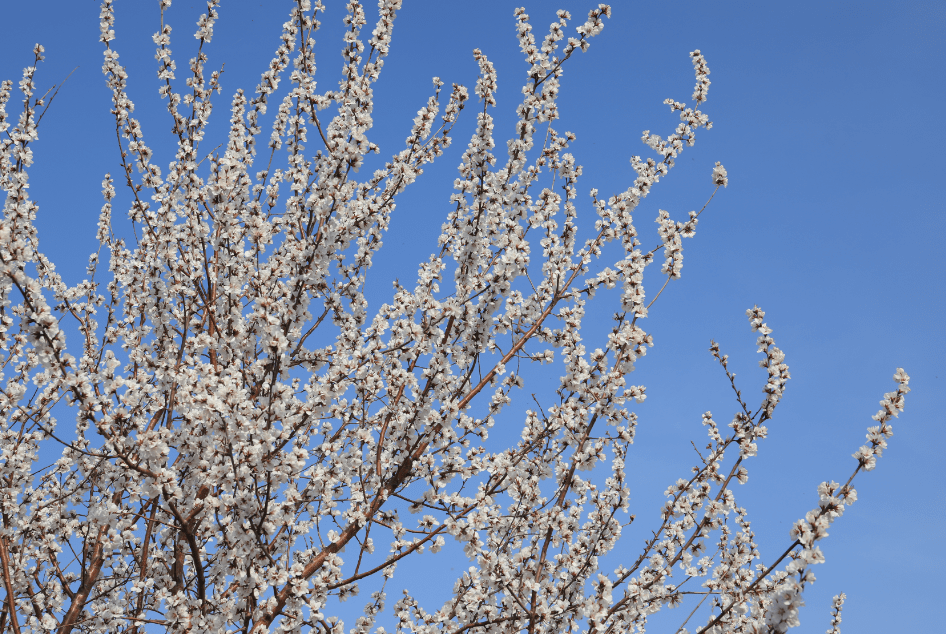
(248, 437)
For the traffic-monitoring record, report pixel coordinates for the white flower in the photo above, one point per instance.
(719, 175)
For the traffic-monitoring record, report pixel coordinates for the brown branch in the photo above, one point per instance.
(187, 529)
(8, 582)
(143, 565)
(88, 581)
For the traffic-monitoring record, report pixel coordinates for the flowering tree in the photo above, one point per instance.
(246, 431)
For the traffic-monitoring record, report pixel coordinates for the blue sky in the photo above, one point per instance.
(824, 116)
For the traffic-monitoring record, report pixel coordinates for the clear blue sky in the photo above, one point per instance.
(825, 115)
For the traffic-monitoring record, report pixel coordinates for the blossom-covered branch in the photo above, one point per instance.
(248, 430)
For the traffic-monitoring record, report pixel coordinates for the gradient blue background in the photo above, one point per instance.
(827, 116)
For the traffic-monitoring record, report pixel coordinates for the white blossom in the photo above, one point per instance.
(249, 435)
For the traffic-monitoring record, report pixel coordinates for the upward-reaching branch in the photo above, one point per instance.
(248, 425)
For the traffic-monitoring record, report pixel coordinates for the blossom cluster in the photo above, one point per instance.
(252, 445)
